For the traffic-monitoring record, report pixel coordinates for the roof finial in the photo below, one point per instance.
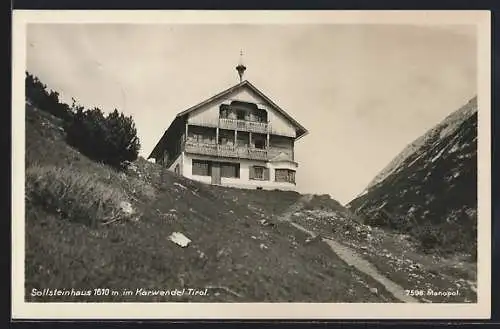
(241, 68)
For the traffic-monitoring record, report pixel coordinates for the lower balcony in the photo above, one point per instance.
(228, 151)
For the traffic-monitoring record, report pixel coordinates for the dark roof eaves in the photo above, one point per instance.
(162, 138)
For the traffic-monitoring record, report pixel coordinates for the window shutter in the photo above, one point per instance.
(251, 172)
(266, 173)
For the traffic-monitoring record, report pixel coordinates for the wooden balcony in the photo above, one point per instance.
(201, 148)
(228, 151)
(243, 125)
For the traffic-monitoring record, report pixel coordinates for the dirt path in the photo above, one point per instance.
(349, 256)
(298, 205)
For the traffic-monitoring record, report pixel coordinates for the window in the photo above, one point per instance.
(284, 175)
(240, 115)
(259, 115)
(201, 168)
(196, 138)
(226, 137)
(259, 173)
(224, 111)
(202, 135)
(230, 170)
(242, 139)
(225, 140)
(260, 144)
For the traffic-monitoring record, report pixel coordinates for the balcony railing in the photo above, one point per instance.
(242, 125)
(236, 151)
(228, 151)
(201, 148)
(252, 126)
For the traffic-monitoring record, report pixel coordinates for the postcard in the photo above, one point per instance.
(251, 164)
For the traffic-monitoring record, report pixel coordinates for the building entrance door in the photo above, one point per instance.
(216, 180)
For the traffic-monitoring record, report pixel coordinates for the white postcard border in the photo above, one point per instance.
(24, 310)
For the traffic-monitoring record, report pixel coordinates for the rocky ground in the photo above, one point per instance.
(397, 256)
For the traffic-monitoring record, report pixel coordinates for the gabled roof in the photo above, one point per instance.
(301, 131)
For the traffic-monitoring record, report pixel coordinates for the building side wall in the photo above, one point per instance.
(280, 125)
(282, 165)
(209, 114)
(244, 181)
(179, 161)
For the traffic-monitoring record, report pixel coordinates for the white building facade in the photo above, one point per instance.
(238, 138)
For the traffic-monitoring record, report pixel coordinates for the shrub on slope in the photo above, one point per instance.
(38, 94)
(110, 139)
(74, 194)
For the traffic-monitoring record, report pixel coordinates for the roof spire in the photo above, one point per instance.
(241, 68)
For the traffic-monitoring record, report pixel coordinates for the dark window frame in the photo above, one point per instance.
(289, 176)
(237, 169)
(257, 144)
(196, 162)
(263, 177)
(241, 115)
(262, 169)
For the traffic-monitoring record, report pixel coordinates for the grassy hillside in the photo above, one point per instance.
(89, 226)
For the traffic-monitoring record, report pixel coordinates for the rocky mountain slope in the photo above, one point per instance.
(430, 189)
(444, 128)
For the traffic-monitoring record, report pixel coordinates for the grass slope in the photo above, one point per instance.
(75, 241)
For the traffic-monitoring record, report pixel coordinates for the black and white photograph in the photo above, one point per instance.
(196, 162)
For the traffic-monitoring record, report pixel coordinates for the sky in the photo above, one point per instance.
(363, 91)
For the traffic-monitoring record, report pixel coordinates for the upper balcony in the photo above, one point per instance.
(241, 116)
(243, 125)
